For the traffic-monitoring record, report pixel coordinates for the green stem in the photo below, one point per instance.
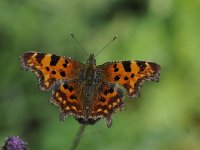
(77, 138)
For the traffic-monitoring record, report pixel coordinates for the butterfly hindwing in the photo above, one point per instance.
(49, 67)
(67, 96)
(130, 74)
(107, 99)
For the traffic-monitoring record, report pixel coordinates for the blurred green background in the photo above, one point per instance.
(166, 116)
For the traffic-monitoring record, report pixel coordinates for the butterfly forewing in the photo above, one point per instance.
(50, 68)
(130, 74)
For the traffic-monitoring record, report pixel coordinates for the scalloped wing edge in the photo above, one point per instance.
(24, 66)
(139, 83)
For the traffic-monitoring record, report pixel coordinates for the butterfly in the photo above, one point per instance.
(87, 91)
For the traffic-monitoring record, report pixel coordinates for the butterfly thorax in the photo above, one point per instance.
(90, 70)
(91, 60)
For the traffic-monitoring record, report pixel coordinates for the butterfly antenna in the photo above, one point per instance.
(78, 43)
(114, 38)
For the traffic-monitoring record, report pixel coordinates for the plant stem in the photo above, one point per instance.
(78, 137)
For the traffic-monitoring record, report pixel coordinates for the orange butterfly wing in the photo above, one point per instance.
(107, 99)
(49, 67)
(67, 96)
(130, 74)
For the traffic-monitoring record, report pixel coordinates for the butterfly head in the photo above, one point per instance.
(91, 60)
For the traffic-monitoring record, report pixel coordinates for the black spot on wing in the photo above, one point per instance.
(73, 96)
(127, 66)
(106, 92)
(110, 90)
(116, 78)
(132, 75)
(53, 72)
(102, 99)
(39, 57)
(47, 68)
(116, 69)
(115, 65)
(62, 73)
(70, 89)
(66, 86)
(54, 60)
(65, 64)
(126, 78)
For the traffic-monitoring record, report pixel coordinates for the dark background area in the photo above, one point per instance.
(166, 116)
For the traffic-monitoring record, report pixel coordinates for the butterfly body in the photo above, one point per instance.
(88, 80)
(86, 91)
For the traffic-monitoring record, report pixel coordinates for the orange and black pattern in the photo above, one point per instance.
(108, 99)
(67, 96)
(130, 74)
(88, 92)
(50, 68)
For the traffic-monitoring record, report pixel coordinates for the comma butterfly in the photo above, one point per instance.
(86, 91)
